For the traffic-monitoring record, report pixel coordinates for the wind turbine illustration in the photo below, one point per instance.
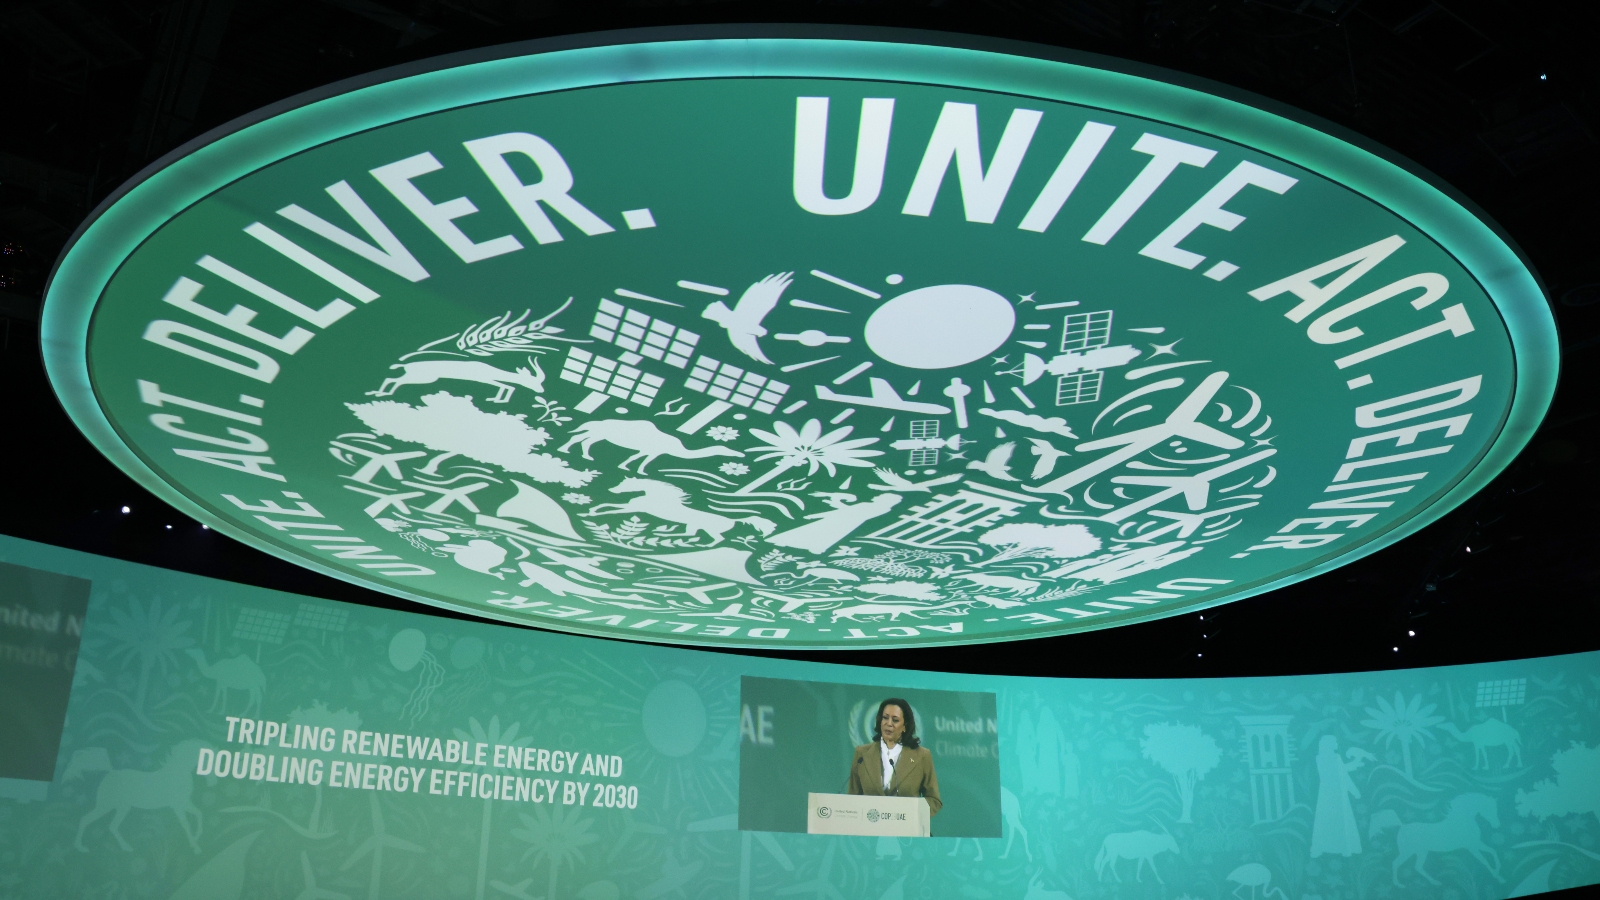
(374, 846)
(312, 892)
(1183, 422)
(768, 843)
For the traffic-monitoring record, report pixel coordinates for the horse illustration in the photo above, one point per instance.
(431, 370)
(1458, 831)
(669, 502)
(644, 438)
(121, 790)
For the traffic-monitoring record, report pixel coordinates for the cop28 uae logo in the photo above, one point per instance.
(881, 344)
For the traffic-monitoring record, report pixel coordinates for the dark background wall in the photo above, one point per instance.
(1499, 98)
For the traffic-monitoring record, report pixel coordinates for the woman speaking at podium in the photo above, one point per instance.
(895, 764)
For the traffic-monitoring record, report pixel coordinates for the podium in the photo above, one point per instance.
(862, 815)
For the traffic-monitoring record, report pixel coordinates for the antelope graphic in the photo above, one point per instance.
(431, 370)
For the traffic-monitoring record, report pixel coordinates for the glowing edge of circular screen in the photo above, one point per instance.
(190, 173)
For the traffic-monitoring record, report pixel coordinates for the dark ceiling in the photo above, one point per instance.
(1499, 99)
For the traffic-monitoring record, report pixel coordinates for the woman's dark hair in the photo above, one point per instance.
(908, 737)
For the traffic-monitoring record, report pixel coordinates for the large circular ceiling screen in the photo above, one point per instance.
(799, 342)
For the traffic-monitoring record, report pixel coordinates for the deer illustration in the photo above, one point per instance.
(1486, 734)
(644, 438)
(431, 370)
(669, 502)
(1143, 846)
(121, 790)
(239, 673)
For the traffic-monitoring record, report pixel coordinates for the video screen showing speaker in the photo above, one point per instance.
(41, 620)
(880, 756)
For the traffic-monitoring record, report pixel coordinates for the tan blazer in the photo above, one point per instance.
(913, 775)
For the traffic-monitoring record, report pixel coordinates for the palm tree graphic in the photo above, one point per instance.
(152, 636)
(808, 446)
(1403, 722)
(555, 837)
(492, 735)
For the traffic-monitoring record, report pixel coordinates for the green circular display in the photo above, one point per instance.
(798, 342)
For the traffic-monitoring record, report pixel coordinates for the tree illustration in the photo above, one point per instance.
(493, 736)
(556, 838)
(808, 446)
(1185, 752)
(1404, 723)
(451, 424)
(1576, 789)
(149, 635)
(1039, 540)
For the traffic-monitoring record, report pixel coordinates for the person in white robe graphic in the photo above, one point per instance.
(1334, 828)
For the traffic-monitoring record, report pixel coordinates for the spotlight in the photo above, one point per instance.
(1411, 634)
(169, 527)
(126, 510)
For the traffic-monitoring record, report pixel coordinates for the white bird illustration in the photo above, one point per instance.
(743, 322)
(997, 463)
(893, 482)
(1047, 454)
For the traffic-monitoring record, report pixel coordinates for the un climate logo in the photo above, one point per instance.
(823, 812)
(872, 815)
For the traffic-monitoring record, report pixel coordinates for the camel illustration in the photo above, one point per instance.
(1486, 734)
(239, 673)
(670, 502)
(1458, 831)
(644, 438)
(431, 370)
(121, 790)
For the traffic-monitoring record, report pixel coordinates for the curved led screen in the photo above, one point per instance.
(225, 741)
(822, 343)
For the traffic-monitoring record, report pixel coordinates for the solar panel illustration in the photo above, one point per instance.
(1502, 692)
(639, 333)
(735, 385)
(607, 376)
(924, 429)
(1083, 331)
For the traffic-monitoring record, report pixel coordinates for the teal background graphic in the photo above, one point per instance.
(815, 727)
(1421, 783)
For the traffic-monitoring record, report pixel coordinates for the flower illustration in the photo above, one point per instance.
(722, 433)
(808, 446)
(733, 468)
(846, 551)
(555, 838)
(578, 499)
